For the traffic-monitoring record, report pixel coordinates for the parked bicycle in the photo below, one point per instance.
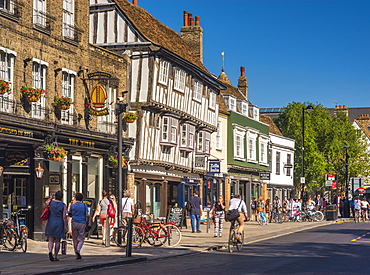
(8, 239)
(20, 229)
(276, 217)
(233, 241)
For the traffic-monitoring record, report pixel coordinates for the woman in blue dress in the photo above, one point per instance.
(57, 225)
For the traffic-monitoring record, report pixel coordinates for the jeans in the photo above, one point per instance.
(192, 218)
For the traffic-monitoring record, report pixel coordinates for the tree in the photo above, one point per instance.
(325, 136)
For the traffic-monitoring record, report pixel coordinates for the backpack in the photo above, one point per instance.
(111, 211)
(253, 206)
(188, 206)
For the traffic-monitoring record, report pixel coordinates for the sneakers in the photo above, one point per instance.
(198, 231)
(220, 235)
(238, 237)
(215, 236)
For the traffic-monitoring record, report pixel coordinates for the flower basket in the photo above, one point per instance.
(114, 161)
(32, 95)
(55, 153)
(55, 158)
(129, 120)
(2, 90)
(63, 103)
(33, 98)
(4, 87)
(63, 106)
(130, 117)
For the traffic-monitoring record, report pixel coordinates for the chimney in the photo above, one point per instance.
(135, 2)
(192, 34)
(341, 108)
(243, 82)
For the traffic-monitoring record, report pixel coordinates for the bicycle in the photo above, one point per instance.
(261, 218)
(357, 215)
(8, 238)
(233, 241)
(276, 216)
(20, 229)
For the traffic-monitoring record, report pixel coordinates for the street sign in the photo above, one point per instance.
(331, 177)
(328, 183)
(361, 190)
(265, 176)
(303, 180)
(333, 185)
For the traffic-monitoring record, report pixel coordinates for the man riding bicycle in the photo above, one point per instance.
(237, 203)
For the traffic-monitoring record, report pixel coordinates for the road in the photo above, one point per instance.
(334, 249)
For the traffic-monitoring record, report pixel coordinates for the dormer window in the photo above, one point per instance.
(197, 91)
(163, 72)
(180, 77)
(212, 100)
(230, 102)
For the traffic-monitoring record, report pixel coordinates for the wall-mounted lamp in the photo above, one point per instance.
(39, 171)
(1, 171)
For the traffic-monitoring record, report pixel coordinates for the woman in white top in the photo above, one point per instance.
(128, 206)
(364, 207)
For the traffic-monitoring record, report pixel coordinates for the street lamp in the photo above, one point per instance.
(346, 170)
(309, 109)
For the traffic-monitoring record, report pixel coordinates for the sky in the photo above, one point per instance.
(314, 51)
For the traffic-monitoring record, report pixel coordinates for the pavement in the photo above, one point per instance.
(95, 255)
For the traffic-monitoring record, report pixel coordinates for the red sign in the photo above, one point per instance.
(361, 190)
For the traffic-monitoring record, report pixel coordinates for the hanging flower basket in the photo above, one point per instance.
(130, 117)
(55, 153)
(4, 87)
(63, 103)
(114, 161)
(32, 95)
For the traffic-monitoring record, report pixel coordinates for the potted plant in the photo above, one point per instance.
(114, 161)
(130, 117)
(32, 94)
(63, 102)
(4, 87)
(55, 153)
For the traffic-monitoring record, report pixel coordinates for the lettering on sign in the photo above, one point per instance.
(82, 143)
(199, 161)
(176, 215)
(214, 167)
(17, 158)
(15, 132)
(264, 176)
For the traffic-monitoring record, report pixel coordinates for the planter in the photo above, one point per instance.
(54, 158)
(115, 165)
(129, 120)
(33, 98)
(63, 106)
(3, 91)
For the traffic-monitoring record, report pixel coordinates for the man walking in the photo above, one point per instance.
(319, 203)
(195, 212)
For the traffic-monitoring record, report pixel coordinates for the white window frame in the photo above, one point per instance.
(212, 100)
(163, 72)
(7, 59)
(7, 6)
(39, 82)
(39, 13)
(288, 162)
(68, 18)
(197, 91)
(191, 136)
(68, 80)
(251, 146)
(169, 131)
(107, 123)
(277, 163)
(200, 142)
(180, 79)
(218, 145)
(244, 109)
(239, 136)
(263, 151)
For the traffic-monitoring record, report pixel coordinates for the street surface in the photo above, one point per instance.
(341, 248)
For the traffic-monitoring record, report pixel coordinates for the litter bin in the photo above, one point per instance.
(331, 212)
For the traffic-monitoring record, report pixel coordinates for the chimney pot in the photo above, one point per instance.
(192, 21)
(134, 2)
(186, 18)
(345, 106)
(197, 20)
(242, 71)
(189, 19)
(340, 106)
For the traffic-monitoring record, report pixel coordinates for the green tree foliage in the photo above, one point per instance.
(325, 136)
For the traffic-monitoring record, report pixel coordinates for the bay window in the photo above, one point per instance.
(169, 131)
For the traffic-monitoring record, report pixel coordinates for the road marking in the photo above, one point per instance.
(358, 239)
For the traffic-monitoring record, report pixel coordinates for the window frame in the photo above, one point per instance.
(39, 13)
(171, 131)
(68, 91)
(197, 91)
(212, 100)
(68, 19)
(179, 80)
(39, 82)
(239, 144)
(277, 163)
(7, 61)
(164, 67)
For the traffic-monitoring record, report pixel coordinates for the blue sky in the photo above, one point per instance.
(293, 50)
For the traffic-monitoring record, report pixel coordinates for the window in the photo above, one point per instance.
(68, 78)
(263, 151)
(239, 135)
(219, 136)
(68, 18)
(169, 131)
(7, 58)
(244, 109)
(184, 135)
(107, 123)
(289, 163)
(212, 100)
(39, 82)
(277, 172)
(163, 72)
(203, 142)
(7, 6)
(180, 76)
(200, 142)
(39, 13)
(198, 91)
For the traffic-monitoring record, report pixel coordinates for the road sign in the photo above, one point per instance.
(328, 183)
(361, 190)
(333, 185)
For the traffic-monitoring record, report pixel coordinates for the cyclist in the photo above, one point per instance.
(238, 203)
(357, 207)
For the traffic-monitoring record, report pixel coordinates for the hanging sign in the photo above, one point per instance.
(214, 167)
(98, 97)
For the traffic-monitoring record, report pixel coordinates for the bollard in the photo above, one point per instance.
(129, 238)
(208, 223)
(107, 232)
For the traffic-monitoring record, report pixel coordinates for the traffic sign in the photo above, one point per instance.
(361, 190)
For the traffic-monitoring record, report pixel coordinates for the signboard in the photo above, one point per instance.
(176, 215)
(361, 190)
(328, 183)
(214, 167)
(331, 177)
(200, 162)
(265, 176)
(303, 180)
(333, 185)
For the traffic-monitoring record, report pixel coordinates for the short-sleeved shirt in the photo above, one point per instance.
(104, 206)
(127, 204)
(195, 202)
(78, 211)
(234, 204)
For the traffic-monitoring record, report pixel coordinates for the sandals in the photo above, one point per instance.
(51, 258)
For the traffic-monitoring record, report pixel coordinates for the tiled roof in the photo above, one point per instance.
(156, 32)
(273, 128)
(231, 90)
(364, 122)
(222, 108)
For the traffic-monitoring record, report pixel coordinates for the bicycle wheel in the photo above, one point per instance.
(119, 236)
(137, 236)
(152, 237)
(172, 235)
(10, 239)
(319, 216)
(232, 239)
(23, 241)
(239, 244)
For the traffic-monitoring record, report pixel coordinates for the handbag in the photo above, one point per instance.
(233, 214)
(45, 213)
(87, 227)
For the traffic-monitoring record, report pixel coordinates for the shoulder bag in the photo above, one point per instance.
(45, 213)
(233, 214)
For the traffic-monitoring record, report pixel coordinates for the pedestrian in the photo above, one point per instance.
(79, 213)
(101, 211)
(268, 209)
(319, 203)
(113, 222)
(254, 208)
(218, 211)
(195, 212)
(310, 204)
(57, 224)
(364, 207)
(128, 206)
(238, 203)
(261, 208)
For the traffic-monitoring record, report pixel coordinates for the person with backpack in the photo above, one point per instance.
(102, 211)
(254, 209)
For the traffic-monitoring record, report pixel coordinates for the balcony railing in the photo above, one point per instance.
(71, 33)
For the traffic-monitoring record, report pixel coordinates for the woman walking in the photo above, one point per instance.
(218, 211)
(57, 225)
(102, 210)
(79, 212)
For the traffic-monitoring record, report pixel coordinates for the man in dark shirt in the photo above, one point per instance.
(195, 212)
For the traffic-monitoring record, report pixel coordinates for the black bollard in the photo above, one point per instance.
(129, 238)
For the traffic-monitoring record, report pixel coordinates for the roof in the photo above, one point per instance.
(364, 122)
(230, 90)
(158, 33)
(272, 126)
